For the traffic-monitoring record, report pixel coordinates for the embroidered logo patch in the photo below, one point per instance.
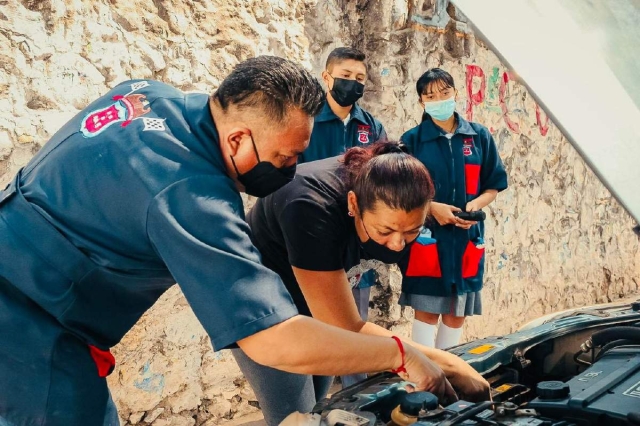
(124, 110)
(363, 133)
(467, 144)
(153, 124)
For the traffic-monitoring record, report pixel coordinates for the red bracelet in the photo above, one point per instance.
(402, 368)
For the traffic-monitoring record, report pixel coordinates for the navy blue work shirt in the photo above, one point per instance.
(135, 190)
(331, 137)
(447, 260)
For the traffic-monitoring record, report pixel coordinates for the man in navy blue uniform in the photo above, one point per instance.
(342, 124)
(141, 190)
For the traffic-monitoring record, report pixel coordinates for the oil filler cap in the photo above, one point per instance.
(553, 390)
(413, 402)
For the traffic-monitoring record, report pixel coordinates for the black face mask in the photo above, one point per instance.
(381, 252)
(346, 92)
(264, 178)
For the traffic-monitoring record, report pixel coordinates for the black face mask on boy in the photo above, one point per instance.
(346, 92)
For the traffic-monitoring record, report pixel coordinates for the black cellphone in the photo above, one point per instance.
(476, 216)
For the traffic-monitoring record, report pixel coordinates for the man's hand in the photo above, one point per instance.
(426, 375)
(443, 213)
(471, 386)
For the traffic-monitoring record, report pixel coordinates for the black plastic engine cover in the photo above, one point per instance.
(608, 392)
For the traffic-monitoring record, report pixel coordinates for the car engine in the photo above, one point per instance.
(579, 369)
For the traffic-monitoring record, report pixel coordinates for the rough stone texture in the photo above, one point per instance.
(167, 370)
(556, 237)
(58, 55)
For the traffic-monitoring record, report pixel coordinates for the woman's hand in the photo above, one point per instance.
(443, 213)
(482, 201)
(426, 375)
(474, 205)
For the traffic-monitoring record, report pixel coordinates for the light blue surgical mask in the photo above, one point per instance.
(441, 110)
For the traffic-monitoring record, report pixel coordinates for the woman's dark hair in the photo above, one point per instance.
(385, 172)
(434, 76)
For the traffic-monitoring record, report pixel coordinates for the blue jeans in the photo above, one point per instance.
(361, 296)
(280, 393)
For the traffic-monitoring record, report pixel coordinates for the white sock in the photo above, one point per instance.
(423, 333)
(448, 336)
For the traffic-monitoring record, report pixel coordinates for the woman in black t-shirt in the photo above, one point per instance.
(339, 218)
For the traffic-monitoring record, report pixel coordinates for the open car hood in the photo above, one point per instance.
(581, 368)
(579, 59)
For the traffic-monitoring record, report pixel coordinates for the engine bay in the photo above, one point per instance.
(579, 369)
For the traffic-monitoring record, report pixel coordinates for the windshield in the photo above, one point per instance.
(579, 59)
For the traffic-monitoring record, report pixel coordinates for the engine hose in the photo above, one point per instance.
(615, 344)
(467, 414)
(603, 337)
(578, 360)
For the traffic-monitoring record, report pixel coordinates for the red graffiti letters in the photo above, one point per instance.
(543, 126)
(474, 98)
(477, 97)
(515, 127)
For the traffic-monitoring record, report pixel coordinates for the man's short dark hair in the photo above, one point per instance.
(342, 54)
(273, 84)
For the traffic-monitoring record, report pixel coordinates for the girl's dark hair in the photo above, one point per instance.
(434, 75)
(385, 172)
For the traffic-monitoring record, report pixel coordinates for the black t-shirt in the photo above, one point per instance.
(305, 224)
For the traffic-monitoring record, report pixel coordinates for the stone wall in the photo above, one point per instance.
(556, 239)
(58, 55)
